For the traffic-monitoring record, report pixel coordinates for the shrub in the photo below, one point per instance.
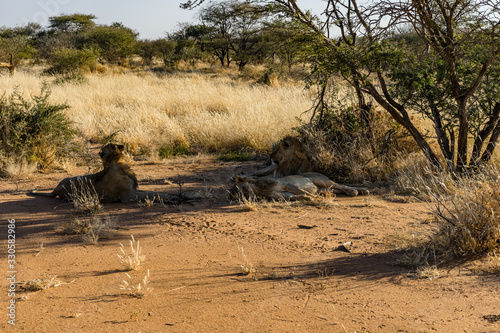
(344, 146)
(470, 218)
(67, 60)
(178, 149)
(468, 223)
(34, 129)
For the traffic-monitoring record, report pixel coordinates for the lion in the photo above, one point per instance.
(289, 157)
(293, 187)
(116, 182)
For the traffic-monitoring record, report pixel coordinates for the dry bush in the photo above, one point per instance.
(84, 196)
(17, 168)
(92, 228)
(415, 176)
(470, 217)
(467, 219)
(353, 151)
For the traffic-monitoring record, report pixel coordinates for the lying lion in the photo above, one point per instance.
(116, 182)
(289, 157)
(294, 187)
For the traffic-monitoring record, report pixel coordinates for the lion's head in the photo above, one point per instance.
(291, 157)
(111, 152)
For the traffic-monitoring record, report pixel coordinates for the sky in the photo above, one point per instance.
(150, 18)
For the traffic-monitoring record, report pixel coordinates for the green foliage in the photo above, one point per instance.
(72, 23)
(235, 156)
(114, 42)
(146, 49)
(35, 128)
(166, 49)
(178, 149)
(70, 60)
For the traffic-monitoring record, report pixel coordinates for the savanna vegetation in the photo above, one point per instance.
(403, 94)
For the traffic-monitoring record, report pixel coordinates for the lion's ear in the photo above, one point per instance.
(239, 179)
(285, 144)
(121, 147)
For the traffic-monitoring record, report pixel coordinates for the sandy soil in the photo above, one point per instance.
(193, 252)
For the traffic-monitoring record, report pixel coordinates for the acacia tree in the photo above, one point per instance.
(453, 80)
(72, 23)
(234, 30)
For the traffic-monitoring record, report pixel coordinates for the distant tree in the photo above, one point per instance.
(70, 60)
(288, 41)
(217, 20)
(146, 49)
(165, 48)
(234, 30)
(72, 23)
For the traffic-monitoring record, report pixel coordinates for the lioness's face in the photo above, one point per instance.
(242, 189)
(110, 151)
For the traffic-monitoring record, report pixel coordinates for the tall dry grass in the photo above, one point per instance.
(145, 111)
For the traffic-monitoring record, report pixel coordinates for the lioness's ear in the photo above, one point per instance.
(239, 179)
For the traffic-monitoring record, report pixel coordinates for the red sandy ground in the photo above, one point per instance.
(193, 253)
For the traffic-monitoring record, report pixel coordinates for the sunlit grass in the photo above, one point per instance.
(145, 111)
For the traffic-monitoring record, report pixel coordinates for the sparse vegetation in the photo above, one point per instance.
(133, 260)
(466, 219)
(84, 197)
(133, 289)
(235, 156)
(246, 268)
(46, 282)
(92, 228)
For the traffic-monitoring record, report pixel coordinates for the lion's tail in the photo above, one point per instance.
(35, 193)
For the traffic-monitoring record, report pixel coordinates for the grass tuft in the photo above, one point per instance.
(134, 260)
(46, 282)
(138, 290)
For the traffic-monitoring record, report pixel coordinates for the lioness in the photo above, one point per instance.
(116, 182)
(289, 157)
(293, 187)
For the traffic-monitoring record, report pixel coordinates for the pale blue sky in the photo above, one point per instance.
(150, 18)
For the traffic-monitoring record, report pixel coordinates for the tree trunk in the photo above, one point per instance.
(483, 134)
(463, 131)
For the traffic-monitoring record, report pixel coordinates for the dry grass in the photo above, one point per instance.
(467, 218)
(84, 196)
(470, 217)
(426, 272)
(46, 282)
(92, 228)
(145, 111)
(135, 259)
(415, 176)
(133, 289)
(16, 168)
(246, 268)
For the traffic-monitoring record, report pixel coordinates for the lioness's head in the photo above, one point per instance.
(243, 188)
(251, 188)
(111, 152)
